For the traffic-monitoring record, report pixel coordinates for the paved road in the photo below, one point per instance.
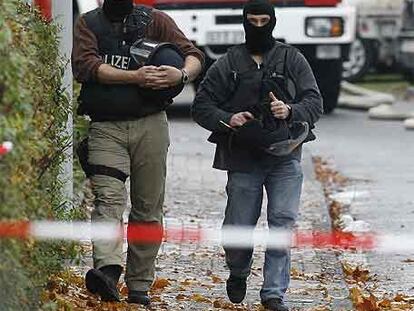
(195, 194)
(378, 156)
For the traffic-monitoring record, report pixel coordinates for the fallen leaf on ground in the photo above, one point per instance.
(181, 297)
(160, 284)
(226, 305)
(355, 273)
(385, 303)
(188, 282)
(216, 279)
(296, 274)
(408, 260)
(200, 298)
(399, 298)
(369, 304)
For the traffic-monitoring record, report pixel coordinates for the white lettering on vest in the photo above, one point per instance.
(117, 61)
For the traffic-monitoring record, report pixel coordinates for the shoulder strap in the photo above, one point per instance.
(238, 59)
(139, 20)
(144, 12)
(279, 56)
(277, 77)
(136, 22)
(97, 22)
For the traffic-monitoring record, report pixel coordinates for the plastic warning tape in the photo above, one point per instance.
(229, 235)
(5, 147)
(45, 7)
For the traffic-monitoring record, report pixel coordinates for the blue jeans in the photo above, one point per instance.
(283, 184)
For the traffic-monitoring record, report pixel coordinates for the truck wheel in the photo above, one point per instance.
(409, 75)
(361, 57)
(328, 74)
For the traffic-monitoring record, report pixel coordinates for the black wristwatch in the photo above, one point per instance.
(184, 77)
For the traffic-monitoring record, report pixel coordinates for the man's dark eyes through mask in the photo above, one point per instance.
(258, 21)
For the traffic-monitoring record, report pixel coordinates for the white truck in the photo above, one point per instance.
(322, 29)
(376, 44)
(406, 41)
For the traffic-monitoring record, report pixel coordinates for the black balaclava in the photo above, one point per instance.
(259, 39)
(116, 10)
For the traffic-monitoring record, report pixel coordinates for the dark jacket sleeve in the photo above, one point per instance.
(211, 95)
(308, 104)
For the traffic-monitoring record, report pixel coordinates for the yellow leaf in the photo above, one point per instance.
(356, 295)
(200, 298)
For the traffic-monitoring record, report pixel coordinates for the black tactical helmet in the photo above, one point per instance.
(146, 52)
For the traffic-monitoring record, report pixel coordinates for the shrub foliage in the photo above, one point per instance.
(33, 115)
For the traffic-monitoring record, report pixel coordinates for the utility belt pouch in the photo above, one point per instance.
(82, 153)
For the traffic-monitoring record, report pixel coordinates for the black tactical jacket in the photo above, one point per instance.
(234, 83)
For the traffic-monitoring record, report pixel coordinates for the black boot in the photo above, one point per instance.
(103, 282)
(139, 297)
(236, 288)
(274, 304)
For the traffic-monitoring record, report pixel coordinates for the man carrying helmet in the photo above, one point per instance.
(261, 101)
(125, 96)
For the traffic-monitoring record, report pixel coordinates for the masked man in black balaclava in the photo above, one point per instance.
(117, 10)
(128, 135)
(259, 100)
(259, 20)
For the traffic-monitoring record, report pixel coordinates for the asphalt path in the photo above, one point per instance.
(378, 158)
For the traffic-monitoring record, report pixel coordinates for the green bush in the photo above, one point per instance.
(33, 115)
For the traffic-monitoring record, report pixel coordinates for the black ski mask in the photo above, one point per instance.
(259, 39)
(116, 10)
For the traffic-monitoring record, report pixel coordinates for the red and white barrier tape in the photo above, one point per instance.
(230, 236)
(6, 147)
(45, 7)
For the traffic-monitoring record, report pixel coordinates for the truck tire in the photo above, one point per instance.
(328, 74)
(409, 75)
(361, 58)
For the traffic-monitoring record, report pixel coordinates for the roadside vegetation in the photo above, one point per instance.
(33, 115)
(389, 83)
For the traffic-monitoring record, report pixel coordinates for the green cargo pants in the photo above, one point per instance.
(139, 149)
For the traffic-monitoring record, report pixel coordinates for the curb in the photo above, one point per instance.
(409, 124)
(388, 112)
(396, 112)
(357, 97)
(321, 220)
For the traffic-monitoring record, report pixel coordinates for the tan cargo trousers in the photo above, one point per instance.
(139, 149)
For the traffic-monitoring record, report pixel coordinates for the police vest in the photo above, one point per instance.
(104, 102)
